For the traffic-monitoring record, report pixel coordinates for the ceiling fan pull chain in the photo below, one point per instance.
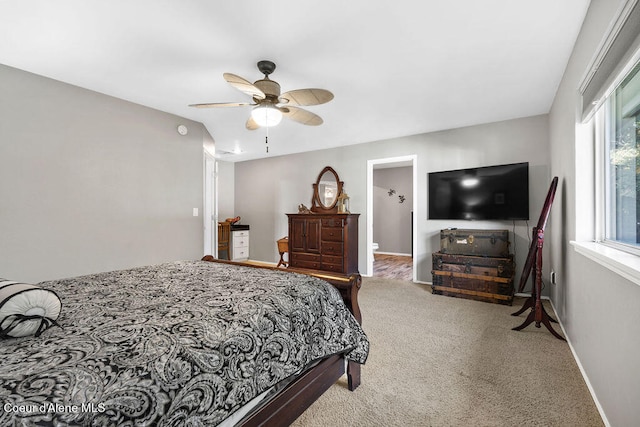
(266, 139)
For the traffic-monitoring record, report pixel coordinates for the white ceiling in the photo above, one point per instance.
(396, 68)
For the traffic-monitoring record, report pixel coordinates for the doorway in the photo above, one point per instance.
(210, 213)
(397, 195)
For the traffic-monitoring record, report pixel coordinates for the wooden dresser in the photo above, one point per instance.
(326, 242)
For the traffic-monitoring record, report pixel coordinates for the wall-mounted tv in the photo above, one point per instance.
(485, 193)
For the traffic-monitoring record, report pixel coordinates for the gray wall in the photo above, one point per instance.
(266, 189)
(92, 183)
(598, 308)
(391, 218)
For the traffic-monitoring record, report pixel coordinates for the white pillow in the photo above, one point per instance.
(26, 309)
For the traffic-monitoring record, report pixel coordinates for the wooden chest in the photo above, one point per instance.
(488, 243)
(326, 242)
(482, 278)
(478, 265)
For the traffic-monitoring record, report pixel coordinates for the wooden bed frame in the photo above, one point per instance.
(283, 408)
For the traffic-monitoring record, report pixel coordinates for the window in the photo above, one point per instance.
(608, 195)
(622, 163)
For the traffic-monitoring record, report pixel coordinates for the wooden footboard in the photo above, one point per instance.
(286, 406)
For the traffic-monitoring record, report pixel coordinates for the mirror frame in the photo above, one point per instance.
(316, 202)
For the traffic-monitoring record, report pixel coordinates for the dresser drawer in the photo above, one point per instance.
(332, 248)
(332, 222)
(332, 263)
(333, 234)
(296, 256)
(241, 233)
(240, 253)
(306, 264)
(241, 241)
(333, 267)
(304, 260)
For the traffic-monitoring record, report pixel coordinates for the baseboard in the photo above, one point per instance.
(391, 253)
(526, 295)
(575, 357)
(582, 371)
(255, 262)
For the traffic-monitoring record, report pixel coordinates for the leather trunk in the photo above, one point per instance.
(488, 279)
(491, 266)
(488, 243)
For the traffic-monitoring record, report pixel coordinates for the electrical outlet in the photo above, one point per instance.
(552, 277)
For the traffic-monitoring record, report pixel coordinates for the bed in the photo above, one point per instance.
(185, 343)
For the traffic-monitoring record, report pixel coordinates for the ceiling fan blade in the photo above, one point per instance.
(221, 104)
(244, 85)
(251, 124)
(306, 97)
(302, 116)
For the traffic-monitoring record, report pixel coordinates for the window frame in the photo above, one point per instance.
(602, 121)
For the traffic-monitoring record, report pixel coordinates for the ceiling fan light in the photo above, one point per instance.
(266, 115)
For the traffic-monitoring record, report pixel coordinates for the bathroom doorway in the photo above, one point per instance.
(391, 217)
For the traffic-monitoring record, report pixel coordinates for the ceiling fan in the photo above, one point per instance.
(269, 105)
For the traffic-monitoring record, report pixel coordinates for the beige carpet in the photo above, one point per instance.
(442, 361)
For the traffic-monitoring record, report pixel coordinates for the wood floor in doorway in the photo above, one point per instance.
(393, 266)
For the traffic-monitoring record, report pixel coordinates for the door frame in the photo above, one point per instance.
(413, 158)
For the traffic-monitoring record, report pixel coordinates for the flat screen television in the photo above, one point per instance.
(485, 193)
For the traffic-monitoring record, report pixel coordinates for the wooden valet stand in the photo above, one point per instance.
(533, 267)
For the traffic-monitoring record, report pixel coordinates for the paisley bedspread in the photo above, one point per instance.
(182, 343)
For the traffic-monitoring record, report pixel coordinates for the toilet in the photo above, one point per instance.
(375, 247)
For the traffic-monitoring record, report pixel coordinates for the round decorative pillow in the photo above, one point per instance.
(26, 309)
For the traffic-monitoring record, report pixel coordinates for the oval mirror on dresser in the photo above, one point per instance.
(326, 191)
